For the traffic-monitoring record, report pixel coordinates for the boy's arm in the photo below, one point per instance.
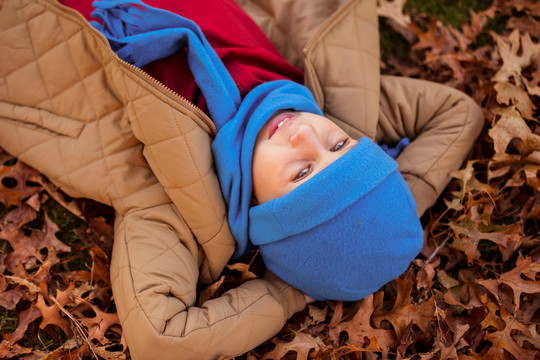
(154, 276)
(442, 124)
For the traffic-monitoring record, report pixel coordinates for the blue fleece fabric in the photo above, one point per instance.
(341, 235)
(344, 233)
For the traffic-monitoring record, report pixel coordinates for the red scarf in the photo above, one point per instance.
(246, 52)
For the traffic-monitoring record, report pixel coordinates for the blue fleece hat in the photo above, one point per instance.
(343, 233)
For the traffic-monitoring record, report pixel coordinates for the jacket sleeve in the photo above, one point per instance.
(154, 278)
(442, 124)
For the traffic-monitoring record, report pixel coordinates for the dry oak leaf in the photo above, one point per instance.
(469, 232)
(302, 344)
(531, 7)
(359, 328)
(448, 347)
(8, 348)
(530, 177)
(26, 249)
(11, 230)
(525, 25)
(510, 126)
(437, 37)
(102, 352)
(100, 265)
(98, 325)
(393, 10)
(469, 183)
(10, 298)
(507, 92)
(243, 269)
(403, 312)
(533, 338)
(453, 62)
(517, 52)
(52, 315)
(468, 294)
(20, 173)
(503, 339)
(70, 352)
(210, 291)
(478, 21)
(521, 279)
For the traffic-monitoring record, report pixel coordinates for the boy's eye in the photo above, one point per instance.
(339, 145)
(303, 173)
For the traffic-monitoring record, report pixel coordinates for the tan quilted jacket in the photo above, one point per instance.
(102, 129)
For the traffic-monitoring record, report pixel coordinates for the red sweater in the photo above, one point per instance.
(246, 52)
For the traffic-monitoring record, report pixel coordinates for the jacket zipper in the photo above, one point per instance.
(164, 89)
(158, 85)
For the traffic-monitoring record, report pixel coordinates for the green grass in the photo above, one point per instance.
(452, 12)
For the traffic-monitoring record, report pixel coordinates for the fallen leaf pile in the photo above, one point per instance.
(56, 295)
(473, 293)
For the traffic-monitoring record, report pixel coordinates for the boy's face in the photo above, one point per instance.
(291, 148)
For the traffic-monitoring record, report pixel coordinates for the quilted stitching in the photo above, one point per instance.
(55, 94)
(113, 109)
(336, 91)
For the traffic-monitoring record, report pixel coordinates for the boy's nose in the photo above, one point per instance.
(305, 138)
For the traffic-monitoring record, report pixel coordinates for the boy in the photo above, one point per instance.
(336, 203)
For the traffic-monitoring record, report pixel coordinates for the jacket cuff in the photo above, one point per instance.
(292, 299)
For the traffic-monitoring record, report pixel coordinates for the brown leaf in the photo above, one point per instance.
(478, 21)
(210, 291)
(531, 7)
(508, 94)
(10, 298)
(503, 340)
(424, 277)
(8, 347)
(531, 175)
(107, 354)
(437, 38)
(492, 319)
(12, 351)
(302, 345)
(27, 248)
(511, 126)
(453, 61)
(17, 176)
(470, 231)
(533, 338)
(521, 279)
(360, 331)
(52, 315)
(68, 352)
(468, 293)
(469, 183)
(100, 265)
(463, 40)
(517, 52)
(403, 312)
(98, 325)
(243, 269)
(11, 230)
(525, 25)
(445, 280)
